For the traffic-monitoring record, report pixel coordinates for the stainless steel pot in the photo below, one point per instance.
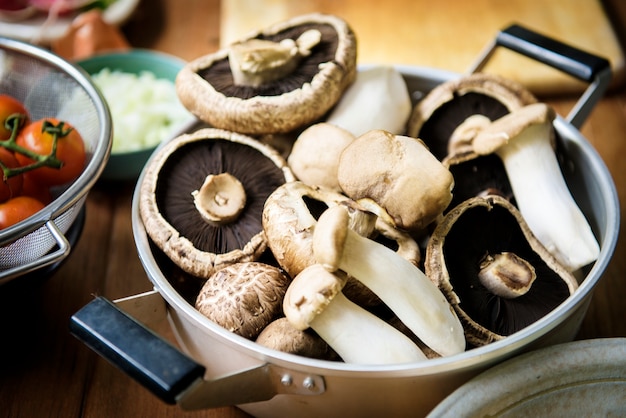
(221, 368)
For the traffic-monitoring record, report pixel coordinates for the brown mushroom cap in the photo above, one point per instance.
(282, 336)
(243, 297)
(206, 87)
(197, 245)
(289, 218)
(474, 230)
(435, 118)
(399, 174)
(314, 157)
(478, 175)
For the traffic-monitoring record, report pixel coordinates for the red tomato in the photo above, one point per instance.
(8, 107)
(17, 209)
(10, 187)
(31, 188)
(70, 151)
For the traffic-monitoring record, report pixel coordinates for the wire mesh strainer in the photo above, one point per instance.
(51, 87)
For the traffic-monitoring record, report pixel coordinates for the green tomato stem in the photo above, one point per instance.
(14, 123)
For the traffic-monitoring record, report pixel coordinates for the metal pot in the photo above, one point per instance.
(221, 368)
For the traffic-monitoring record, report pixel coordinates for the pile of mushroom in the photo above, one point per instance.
(318, 251)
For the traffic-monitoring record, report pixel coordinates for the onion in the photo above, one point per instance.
(145, 109)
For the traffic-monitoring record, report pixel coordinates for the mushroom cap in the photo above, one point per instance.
(435, 118)
(282, 336)
(205, 85)
(400, 174)
(167, 205)
(478, 175)
(314, 157)
(243, 297)
(502, 130)
(309, 293)
(289, 218)
(473, 229)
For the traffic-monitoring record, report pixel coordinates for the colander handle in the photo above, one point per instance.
(62, 251)
(570, 60)
(167, 372)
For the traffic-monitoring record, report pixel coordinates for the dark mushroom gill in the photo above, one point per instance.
(185, 171)
(438, 128)
(220, 77)
(479, 176)
(478, 231)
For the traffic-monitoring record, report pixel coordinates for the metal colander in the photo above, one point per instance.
(52, 87)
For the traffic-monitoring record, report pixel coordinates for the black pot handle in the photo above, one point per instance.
(170, 374)
(568, 59)
(127, 344)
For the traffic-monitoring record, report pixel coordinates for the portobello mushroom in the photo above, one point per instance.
(187, 194)
(488, 237)
(450, 107)
(275, 80)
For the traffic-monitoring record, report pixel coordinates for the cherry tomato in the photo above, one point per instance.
(31, 188)
(70, 151)
(17, 209)
(12, 186)
(8, 107)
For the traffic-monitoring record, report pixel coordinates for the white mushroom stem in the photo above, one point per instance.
(257, 61)
(506, 274)
(220, 199)
(543, 197)
(355, 334)
(415, 300)
(362, 338)
(378, 99)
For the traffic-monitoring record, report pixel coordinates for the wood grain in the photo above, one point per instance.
(449, 34)
(45, 372)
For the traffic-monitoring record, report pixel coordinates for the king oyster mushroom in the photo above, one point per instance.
(289, 220)
(202, 197)
(494, 272)
(244, 297)
(400, 284)
(525, 140)
(450, 107)
(275, 80)
(314, 299)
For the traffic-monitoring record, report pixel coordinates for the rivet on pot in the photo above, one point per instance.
(309, 383)
(286, 380)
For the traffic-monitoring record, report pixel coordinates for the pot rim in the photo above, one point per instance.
(470, 359)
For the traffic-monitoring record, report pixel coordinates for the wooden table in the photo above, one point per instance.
(45, 372)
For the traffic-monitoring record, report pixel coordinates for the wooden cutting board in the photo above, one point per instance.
(449, 34)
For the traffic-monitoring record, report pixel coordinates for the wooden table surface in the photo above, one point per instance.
(45, 372)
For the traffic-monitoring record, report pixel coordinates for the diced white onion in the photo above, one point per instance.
(145, 109)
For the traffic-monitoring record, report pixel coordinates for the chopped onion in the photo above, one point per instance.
(145, 109)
